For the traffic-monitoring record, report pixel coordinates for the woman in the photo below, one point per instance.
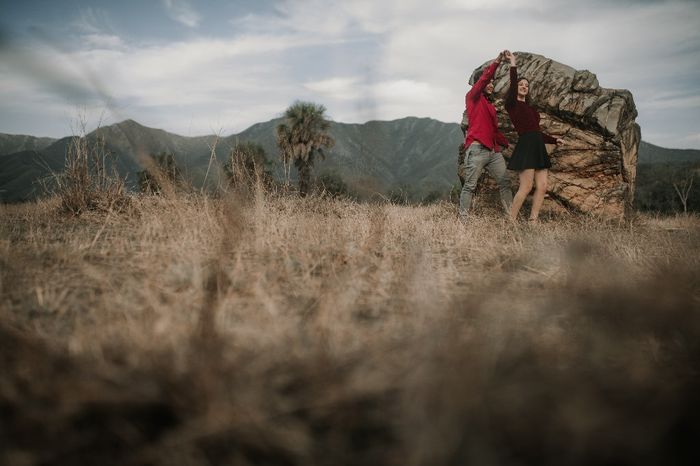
(529, 157)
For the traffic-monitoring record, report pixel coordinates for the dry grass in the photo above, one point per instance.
(276, 330)
(89, 180)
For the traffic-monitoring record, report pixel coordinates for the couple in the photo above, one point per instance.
(483, 142)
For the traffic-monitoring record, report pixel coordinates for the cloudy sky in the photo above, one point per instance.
(198, 67)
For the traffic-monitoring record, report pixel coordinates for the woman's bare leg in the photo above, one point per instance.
(540, 191)
(526, 177)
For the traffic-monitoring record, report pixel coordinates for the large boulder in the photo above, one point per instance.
(594, 172)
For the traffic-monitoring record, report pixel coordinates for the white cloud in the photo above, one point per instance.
(182, 12)
(103, 41)
(406, 90)
(374, 60)
(336, 88)
(202, 80)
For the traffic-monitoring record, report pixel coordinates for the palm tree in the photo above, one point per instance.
(302, 136)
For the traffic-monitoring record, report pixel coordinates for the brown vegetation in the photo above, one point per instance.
(89, 180)
(279, 330)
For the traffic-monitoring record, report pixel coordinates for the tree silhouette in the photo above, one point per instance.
(302, 136)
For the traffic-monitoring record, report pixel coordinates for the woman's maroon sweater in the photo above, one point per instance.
(524, 118)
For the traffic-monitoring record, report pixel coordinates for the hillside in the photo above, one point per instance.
(378, 155)
(22, 174)
(651, 154)
(128, 142)
(11, 143)
(418, 153)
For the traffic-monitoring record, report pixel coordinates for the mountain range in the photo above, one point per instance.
(418, 154)
(651, 154)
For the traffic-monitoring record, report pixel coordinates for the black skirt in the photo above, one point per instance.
(529, 152)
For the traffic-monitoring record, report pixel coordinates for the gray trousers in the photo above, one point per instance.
(476, 160)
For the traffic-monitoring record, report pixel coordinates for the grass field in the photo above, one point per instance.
(276, 330)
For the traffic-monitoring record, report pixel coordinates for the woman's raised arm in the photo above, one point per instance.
(512, 93)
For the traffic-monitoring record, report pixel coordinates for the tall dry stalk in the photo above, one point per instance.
(212, 157)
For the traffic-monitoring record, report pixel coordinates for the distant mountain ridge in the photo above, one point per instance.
(11, 143)
(372, 157)
(651, 154)
(419, 153)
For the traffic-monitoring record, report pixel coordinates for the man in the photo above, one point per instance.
(483, 142)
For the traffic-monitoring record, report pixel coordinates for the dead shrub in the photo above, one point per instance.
(246, 166)
(161, 175)
(89, 181)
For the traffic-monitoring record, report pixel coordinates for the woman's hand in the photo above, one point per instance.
(510, 56)
(560, 142)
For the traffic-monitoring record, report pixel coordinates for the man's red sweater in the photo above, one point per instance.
(483, 123)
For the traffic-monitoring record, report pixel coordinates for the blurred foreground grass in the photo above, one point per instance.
(276, 330)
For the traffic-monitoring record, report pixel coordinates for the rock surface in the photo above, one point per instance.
(594, 171)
